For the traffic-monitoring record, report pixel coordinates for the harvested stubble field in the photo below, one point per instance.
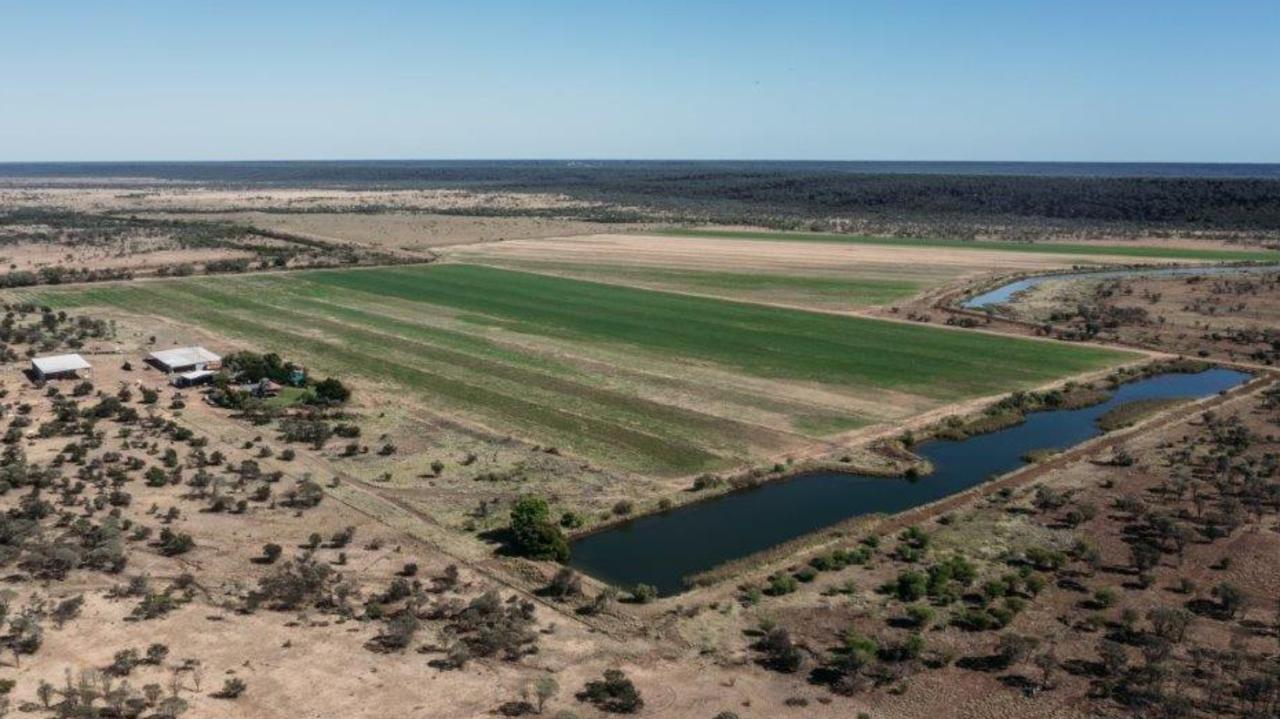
(632, 379)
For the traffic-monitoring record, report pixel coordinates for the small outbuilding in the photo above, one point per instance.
(184, 359)
(58, 367)
(192, 378)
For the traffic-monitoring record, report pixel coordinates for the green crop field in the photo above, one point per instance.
(811, 289)
(635, 379)
(1062, 248)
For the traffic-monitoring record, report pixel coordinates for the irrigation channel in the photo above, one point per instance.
(663, 549)
(1007, 292)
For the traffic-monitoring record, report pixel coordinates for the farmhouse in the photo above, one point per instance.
(58, 367)
(184, 359)
(265, 388)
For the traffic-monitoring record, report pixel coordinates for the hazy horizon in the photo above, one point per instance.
(998, 81)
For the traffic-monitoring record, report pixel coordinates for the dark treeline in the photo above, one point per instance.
(1216, 197)
(1186, 202)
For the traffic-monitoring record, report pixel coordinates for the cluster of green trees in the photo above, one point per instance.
(534, 534)
(57, 275)
(245, 367)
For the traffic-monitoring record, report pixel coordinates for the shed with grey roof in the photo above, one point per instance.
(58, 367)
(185, 359)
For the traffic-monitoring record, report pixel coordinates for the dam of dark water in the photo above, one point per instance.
(663, 549)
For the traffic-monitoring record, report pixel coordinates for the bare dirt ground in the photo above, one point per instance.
(195, 198)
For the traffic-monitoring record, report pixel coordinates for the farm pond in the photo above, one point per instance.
(664, 549)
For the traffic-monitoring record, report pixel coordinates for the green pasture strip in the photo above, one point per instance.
(586, 387)
(616, 364)
(852, 291)
(1061, 248)
(765, 341)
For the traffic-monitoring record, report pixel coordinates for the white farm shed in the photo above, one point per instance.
(185, 359)
(58, 366)
(192, 378)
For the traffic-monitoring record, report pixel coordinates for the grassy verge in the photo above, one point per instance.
(1130, 413)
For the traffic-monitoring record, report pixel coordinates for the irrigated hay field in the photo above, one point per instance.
(828, 272)
(632, 379)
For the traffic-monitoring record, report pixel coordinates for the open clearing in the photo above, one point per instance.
(632, 379)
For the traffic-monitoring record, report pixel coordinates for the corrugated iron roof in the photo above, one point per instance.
(60, 363)
(184, 356)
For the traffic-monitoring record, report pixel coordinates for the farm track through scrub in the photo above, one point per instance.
(458, 339)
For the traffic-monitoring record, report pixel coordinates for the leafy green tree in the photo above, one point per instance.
(534, 535)
(332, 390)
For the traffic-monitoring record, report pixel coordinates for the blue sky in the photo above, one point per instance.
(1123, 80)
